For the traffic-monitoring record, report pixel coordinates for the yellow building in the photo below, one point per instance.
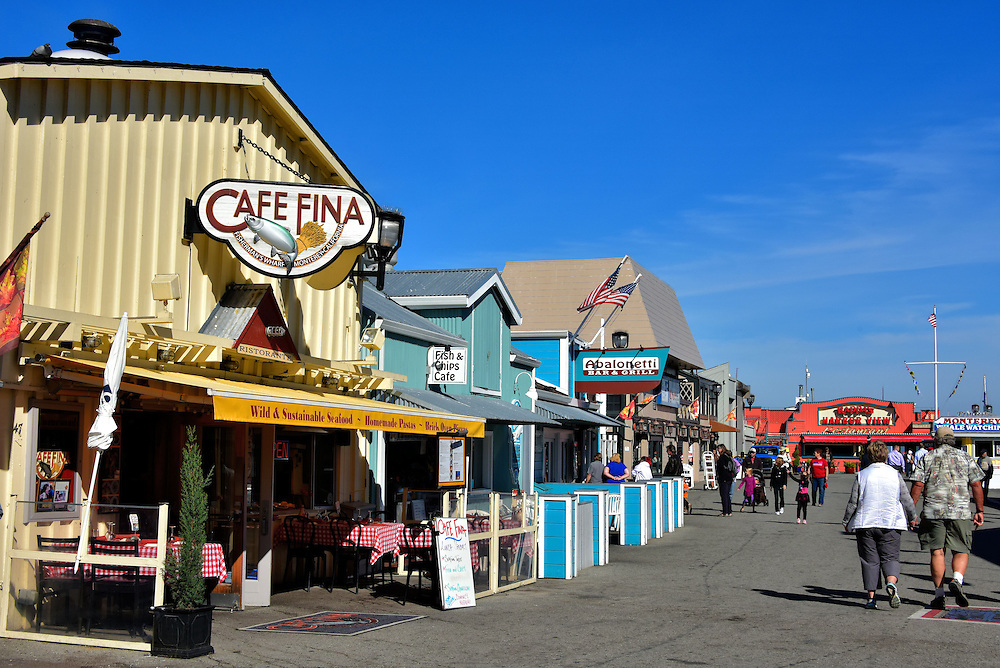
(266, 359)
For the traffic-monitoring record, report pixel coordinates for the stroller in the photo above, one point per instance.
(759, 495)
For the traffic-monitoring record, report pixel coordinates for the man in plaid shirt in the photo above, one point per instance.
(945, 476)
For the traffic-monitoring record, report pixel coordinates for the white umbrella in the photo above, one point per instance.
(104, 426)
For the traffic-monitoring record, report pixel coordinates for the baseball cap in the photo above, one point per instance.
(943, 432)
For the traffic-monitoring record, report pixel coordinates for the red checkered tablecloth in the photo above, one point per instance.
(380, 537)
(213, 558)
(212, 554)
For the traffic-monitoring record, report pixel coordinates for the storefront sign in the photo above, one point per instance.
(286, 230)
(454, 562)
(451, 461)
(281, 449)
(333, 416)
(447, 365)
(857, 415)
(670, 393)
(973, 424)
(620, 371)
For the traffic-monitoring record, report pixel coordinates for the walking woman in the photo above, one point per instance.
(878, 512)
(779, 480)
(725, 473)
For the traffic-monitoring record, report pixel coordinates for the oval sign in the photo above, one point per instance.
(286, 230)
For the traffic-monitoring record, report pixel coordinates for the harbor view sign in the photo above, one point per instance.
(286, 230)
(620, 370)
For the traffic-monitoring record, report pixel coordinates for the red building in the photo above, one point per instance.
(842, 425)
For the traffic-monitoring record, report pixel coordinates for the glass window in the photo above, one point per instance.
(52, 478)
(305, 468)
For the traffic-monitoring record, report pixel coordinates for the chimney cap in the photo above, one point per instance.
(94, 35)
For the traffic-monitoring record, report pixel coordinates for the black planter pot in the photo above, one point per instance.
(182, 633)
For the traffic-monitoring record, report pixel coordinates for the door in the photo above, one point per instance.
(259, 525)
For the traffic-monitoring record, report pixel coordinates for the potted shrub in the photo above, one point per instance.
(183, 629)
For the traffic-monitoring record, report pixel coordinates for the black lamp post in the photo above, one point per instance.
(619, 340)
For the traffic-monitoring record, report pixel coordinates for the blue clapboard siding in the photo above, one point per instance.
(635, 504)
(557, 543)
(655, 509)
(546, 351)
(667, 494)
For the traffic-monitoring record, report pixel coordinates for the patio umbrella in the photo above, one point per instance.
(104, 426)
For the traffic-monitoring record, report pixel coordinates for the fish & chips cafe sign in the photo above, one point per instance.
(286, 230)
(620, 370)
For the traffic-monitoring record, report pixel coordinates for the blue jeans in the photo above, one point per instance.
(820, 485)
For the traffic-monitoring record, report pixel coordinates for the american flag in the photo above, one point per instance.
(932, 319)
(619, 296)
(603, 290)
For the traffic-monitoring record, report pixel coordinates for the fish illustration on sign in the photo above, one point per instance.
(277, 236)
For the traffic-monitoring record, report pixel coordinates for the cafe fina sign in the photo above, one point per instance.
(285, 230)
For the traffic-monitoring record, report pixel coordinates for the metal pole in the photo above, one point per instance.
(937, 413)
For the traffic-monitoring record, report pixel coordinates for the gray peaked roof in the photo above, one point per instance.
(401, 320)
(447, 288)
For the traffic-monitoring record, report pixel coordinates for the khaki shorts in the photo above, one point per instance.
(955, 535)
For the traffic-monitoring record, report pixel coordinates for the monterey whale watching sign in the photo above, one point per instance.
(286, 230)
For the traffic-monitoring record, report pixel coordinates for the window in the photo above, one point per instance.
(54, 431)
(481, 462)
(305, 474)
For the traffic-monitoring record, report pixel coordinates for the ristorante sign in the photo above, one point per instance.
(286, 230)
(862, 417)
(620, 371)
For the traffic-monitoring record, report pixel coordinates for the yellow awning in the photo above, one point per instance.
(239, 401)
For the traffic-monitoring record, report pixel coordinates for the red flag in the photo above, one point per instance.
(13, 275)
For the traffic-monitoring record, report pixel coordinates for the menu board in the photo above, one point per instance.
(451, 461)
(454, 563)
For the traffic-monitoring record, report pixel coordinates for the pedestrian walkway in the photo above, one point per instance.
(720, 591)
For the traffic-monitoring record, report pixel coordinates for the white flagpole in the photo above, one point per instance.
(937, 413)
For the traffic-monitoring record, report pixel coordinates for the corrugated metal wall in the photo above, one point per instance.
(114, 161)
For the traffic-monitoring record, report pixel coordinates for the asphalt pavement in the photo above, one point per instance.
(752, 589)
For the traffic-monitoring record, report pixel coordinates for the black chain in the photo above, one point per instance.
(243, 139)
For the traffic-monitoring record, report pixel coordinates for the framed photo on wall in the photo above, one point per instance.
(45, 493)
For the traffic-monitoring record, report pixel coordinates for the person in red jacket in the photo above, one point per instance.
(818, 469)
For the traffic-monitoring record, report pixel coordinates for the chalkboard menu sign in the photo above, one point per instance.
(454, 563)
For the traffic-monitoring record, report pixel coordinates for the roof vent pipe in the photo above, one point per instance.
(93, 38)
(94, 35)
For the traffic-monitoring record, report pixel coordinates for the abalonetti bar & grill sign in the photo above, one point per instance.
(620, 371)
(286, 230)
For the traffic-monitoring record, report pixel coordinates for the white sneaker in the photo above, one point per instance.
(777, 512)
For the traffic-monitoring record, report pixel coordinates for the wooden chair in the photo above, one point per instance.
(116, 582)
(300, 536)
(419, 559)
(56, 581)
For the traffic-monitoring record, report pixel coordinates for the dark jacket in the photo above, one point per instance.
(721, 471)
(673, 467)
(779, 476)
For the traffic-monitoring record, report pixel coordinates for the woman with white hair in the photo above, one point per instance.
(878, 512)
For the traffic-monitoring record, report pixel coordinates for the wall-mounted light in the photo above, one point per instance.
(91, 341)
(373, 338)
(619, 340)
(165, 353)
(229, 364)
(383, 251)
(531, 392)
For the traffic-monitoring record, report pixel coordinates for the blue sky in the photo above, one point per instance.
(811, 178)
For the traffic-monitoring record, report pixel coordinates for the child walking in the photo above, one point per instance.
(779, 479)
(748, 484)
(801, 496)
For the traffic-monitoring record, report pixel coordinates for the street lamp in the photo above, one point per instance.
(383, 251)
(531, 393)
(619, 340)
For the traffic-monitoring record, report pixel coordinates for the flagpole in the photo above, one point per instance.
(937, 413)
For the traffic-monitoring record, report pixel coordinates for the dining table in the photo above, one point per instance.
(213, 559)
(380, 537)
